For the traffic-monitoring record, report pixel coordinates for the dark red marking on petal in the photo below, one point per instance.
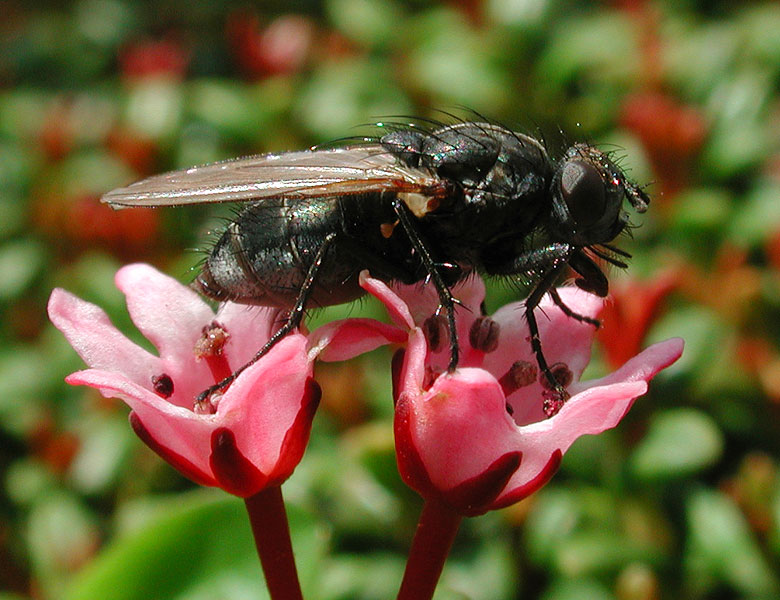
(177, 461)
(297, 437)
(233, 471)
(534, 484)
(410, 464)
(396, 367)
(473, 496)
(162, 385)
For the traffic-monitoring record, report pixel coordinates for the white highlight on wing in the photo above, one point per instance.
(306, 173)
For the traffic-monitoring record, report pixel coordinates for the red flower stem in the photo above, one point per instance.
(272, 539)
(433, 539)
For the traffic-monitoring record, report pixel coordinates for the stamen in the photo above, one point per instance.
(436, 332)
(162, 385)
(562, 374)
(483, 334)
(521, 374)
(210, 346)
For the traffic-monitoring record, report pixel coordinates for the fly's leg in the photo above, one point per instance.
(548, 261)
(293, 321)
(544, 285)
(446, 300)
(569, 312)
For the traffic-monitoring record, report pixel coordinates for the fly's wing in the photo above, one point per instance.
(331, 172)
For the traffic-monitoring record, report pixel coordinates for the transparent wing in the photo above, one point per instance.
(328, 172)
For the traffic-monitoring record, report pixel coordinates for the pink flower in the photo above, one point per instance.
(256, 432)
(484, 437)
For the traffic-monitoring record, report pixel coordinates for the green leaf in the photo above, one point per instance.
(577, 589)
(722, 550)
(21, 261)
(201, 547)
(679, 443)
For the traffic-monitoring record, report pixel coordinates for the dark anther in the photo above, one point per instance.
(212, 342)
(435, 330)
(562, 374)
(163, 385)
(521, 374)
(483, 334)
(509, 409)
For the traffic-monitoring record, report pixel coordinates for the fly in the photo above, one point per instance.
(415, 204)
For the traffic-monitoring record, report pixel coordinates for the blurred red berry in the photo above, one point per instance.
(135, 150)
(153, 58)
(279, 48)
(626, 319)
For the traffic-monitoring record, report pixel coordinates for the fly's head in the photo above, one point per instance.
(587, 198)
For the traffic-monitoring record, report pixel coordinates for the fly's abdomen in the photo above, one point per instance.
(264, 256)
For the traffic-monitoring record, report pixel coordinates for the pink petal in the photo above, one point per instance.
(396, 307)
(169, 314)
(563, 339)
(460, 427)
(344, 339)
(101, 345)
(177, 461)
(423, 300)
(643, 366)
(590, 412)
(264, 402)
(179, 430)
(412, 373)
(249, 327)
(599, 406)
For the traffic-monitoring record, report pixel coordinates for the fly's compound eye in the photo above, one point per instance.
(584, 192)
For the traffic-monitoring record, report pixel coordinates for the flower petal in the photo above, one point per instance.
(563, 339)
(396, 307)
(169, 314)
(344, 339)
(460, 427)
(180, 431)
(249, 327)
(101, 345)
(264, 402)
(590, 412)
(643, 366)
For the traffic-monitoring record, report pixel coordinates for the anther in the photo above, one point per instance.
(561, 373)
(212, 341)
(436, 332)
(210, 347)
(483, 334)
(521, 374)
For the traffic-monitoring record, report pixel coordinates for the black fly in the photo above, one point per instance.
(413, 205)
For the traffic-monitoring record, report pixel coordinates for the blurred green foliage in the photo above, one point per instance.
(681, 501)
